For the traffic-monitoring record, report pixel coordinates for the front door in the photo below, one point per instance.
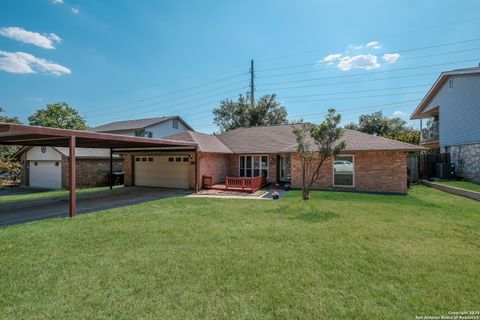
(284, 166)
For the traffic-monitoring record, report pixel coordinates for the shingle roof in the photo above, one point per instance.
(417, 113)
(206, 142)
(280, 138)
(135, 124)
(359, 141)
(267, 139)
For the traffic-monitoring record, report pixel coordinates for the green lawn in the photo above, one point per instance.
(47, 194)
(337, 256)
(461, 184)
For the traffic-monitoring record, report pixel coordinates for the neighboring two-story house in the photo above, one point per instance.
(452, 107)
(149, 128)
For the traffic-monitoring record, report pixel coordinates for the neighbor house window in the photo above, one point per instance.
(175, 123)
(253, 166)
(139, 133)
(343, 171)
(148, 134)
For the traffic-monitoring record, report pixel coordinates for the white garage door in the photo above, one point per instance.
(45, 174)
(162, 171)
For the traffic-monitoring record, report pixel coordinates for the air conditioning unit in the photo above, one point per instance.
(444, 170)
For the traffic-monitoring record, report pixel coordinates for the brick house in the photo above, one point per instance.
(369, 163)
(47, 167)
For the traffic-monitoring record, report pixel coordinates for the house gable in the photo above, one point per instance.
(458, 100)
(43, 154)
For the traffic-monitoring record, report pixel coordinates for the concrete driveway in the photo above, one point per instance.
(24, 211)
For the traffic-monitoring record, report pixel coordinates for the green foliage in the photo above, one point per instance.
(393, 128)
(58, 115)
(6, 152)
(315, 144)
(235, 114)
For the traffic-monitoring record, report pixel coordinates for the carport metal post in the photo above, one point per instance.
(111, 169)
(73, 177)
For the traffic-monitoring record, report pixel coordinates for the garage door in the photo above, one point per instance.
(162, 171)
(45, 174)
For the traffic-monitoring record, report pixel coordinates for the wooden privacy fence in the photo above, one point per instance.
(423, 165)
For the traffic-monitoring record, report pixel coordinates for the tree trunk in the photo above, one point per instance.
(306, 193)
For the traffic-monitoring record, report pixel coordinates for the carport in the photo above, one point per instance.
(14, 134)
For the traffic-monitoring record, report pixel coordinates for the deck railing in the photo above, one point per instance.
(245, 184)
(236, 183)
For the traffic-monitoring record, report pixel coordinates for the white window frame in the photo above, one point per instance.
(252, 168)
(353, 172)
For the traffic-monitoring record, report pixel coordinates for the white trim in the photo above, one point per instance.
(353, 173)
(252, 168)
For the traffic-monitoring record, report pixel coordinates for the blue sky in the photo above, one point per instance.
(115, 60)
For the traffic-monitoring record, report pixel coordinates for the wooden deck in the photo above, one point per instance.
(235, 184)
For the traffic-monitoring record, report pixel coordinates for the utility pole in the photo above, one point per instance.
(252, 83)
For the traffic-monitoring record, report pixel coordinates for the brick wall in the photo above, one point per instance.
(381, 171)
(325, 180)
(215, 165)
(128, 165)
(374, 172)
(90, 172)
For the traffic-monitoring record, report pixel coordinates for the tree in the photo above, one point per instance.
(315, 144)
(8, 151)
(58, 115)
(393, 128)
(235, 114)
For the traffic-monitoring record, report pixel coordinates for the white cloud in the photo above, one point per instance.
(41, 40)
(331, 58)
(399, 114)
(390, 57)
(57, 1)
(355, 47)
(373, 45)
(22, 62)
(361, 61)
(76, 10)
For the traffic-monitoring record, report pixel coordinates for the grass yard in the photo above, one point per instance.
(467, 185)
(4, 199)
(337, 256)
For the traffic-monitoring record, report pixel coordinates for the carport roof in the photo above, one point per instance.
(15, 134)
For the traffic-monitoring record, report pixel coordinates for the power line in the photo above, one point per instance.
(329, 84)
(173, 92)
(372, 72)
(392, 51)
(365, 65)
(381, 37)
(174, 105)
(189, 108)
(356, 91)
(358, 97)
